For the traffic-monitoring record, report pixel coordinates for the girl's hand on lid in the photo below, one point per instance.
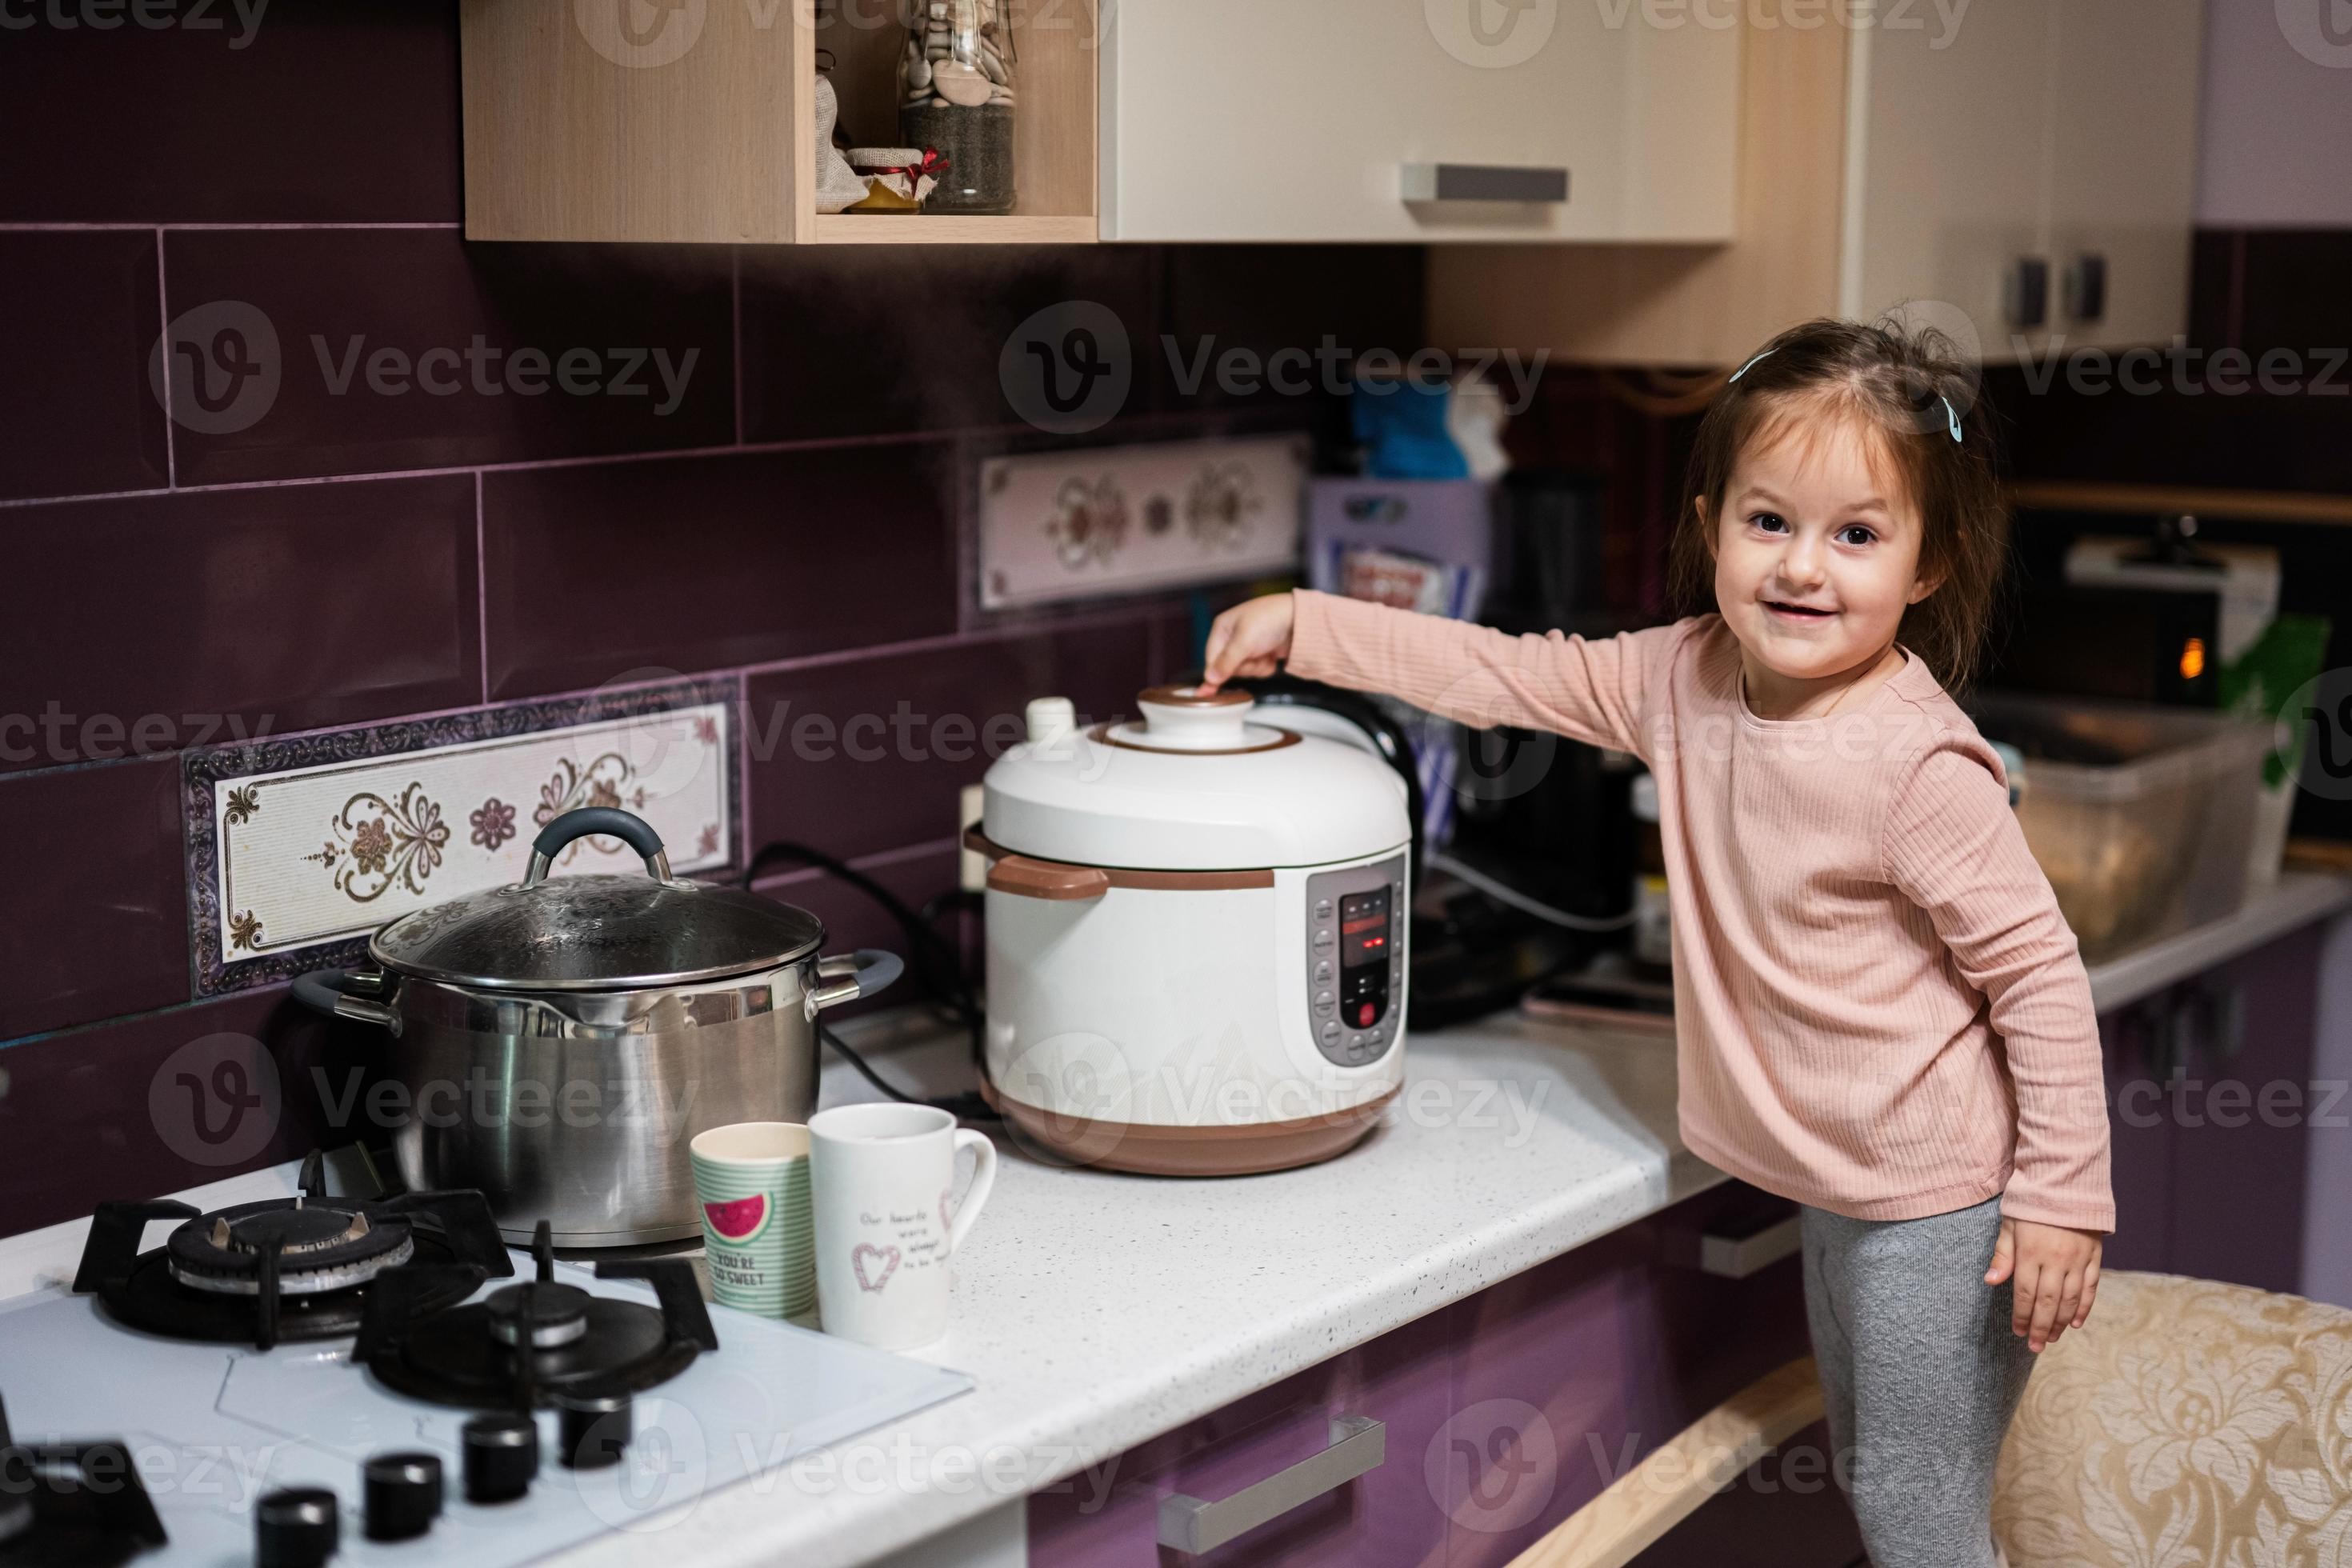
(1248, 641)
(2056, 1269)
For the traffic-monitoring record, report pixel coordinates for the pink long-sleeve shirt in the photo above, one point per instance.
(1879, 1009)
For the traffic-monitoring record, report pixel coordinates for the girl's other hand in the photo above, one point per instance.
(1248, 641)
(2057, 1272)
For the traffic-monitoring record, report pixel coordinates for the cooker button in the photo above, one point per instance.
(1322, 908)
(1322, 971)
(1324, 1003)
(1365, 1014)
(1323, 941)
(1331, 1034)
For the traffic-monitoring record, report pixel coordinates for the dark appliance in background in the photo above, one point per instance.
(2115, 642)
(1544, 817)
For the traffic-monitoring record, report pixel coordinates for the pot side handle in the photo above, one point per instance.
(1030, 879)
(324, 991)
(860, 973)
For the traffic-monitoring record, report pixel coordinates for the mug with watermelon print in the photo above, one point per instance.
(753, 1181)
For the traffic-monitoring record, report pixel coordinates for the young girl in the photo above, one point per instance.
(1880, 1012)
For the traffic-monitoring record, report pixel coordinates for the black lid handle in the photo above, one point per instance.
(625, 825)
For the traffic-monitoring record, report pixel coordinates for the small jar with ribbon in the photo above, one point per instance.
(898, 179)
(956, 96)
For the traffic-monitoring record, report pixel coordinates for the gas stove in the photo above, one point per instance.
(289, 1375)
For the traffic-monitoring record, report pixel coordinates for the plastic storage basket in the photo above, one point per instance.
(2140, 816)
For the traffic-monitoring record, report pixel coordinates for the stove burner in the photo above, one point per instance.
(320, 1248)
(580, 1343)
(558, 1313)
(79, 1503)
(288, 1269)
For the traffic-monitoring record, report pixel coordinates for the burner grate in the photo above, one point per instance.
(288, 1269)
(474, 1357)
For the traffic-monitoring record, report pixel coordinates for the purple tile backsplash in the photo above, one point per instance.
(146, 624)
(81, 314)
(319, 111)
(302, 550)
(409, 349)
(93, 913)
(632, 572)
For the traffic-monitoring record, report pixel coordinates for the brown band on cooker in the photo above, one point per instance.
(1033, 876)
(1160, 1151)
(1101, 734)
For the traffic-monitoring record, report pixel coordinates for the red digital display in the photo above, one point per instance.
(1363, 928)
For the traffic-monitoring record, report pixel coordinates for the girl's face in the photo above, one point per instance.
(1817, 548)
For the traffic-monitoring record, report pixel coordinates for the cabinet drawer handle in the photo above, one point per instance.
(1737, 1256)
(1482, 183)
(1358, 1443)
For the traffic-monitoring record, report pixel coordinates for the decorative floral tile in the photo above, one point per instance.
(1088, 523)
(299, 849)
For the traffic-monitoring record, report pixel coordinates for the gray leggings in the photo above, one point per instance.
(1920, 1373)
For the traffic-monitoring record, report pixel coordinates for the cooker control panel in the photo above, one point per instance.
(1355, 961)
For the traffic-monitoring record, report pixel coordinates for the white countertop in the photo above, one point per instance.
(2296, 900)
(1096, 1310)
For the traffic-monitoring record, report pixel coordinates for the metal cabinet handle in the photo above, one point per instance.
(1358, 1443)
(1737, 1256)
(1481, 183)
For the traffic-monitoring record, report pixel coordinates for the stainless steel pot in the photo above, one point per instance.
(559, 1041)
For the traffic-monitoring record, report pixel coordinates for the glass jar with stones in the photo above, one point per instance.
(957, 99)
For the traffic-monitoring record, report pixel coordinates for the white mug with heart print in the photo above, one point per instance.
(882, 1181)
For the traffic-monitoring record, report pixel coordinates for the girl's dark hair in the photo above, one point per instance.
(1897, 381)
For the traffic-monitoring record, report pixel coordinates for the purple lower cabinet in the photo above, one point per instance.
(1502, 1413)
(2139, 1142)
(1576, 1370)
(1108, 1514)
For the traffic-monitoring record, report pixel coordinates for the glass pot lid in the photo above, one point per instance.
(597, 932)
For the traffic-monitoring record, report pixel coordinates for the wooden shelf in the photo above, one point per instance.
(919, 228)
(715, 142)
(2147, 500)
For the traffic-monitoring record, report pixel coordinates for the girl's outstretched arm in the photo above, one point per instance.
(1592, 689)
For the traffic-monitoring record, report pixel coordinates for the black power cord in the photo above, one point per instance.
(937, 966)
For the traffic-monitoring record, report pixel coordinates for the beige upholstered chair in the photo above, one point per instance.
(2188, 1423)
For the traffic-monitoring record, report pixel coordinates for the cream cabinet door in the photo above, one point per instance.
(2123, 164)
(1945, 162)
(1300, 119)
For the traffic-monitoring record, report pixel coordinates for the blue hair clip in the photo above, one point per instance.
(1744, 369)
(1953, 415)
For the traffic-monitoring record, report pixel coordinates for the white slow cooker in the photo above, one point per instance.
(1196, 936)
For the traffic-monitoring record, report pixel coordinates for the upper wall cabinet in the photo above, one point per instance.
(694, 121)
(2018, 172)
(1418, 120)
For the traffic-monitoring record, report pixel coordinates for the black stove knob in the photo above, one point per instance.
(300, 1527)
(404, 1495)
(597, 1429)
(501, 1458)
